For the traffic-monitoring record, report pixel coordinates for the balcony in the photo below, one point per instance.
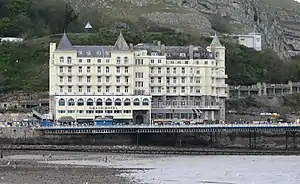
(189, 106)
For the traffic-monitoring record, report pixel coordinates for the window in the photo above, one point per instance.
(126, 60)
(183, 70)
(118, 69)
(69, 60)
(70, 69)
(145, 102)
(127, 102)
(88, 89)
(88, 60)
(108, 102)
(107, 89)
(174, 80)
(99, 102)
(126, 89)
(139, 75)
(174, 89)
(136, 102)
(80, 79)
(107, 61)
(80, 102)
(99, 69)
(126, 79)
(139, 62)
(99, 61)
(80, 69)
(79, 60)
(70, 79)
(159, 90)
(99, 89)
(61, 89)
(107, 69)
(118, 79)
(88, 79)
(159, 79)
(152, 89)
(118, 102)
(182, 80)
(152, 70)
(99, 79)
(61, 102)
(61, 69)
(107, 79)
(168, 70)
(126, 69)
(152, 61)
(159, 70)
(71, 102)
(80, 89)
(118, 60)
(61, 79)
(61, 59)
(174, 70)
(182, 89)
(90, 102)
(159, 61)
(152, 80)
(88, 69)
(118, 89)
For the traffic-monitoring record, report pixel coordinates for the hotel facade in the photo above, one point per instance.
(140, 83)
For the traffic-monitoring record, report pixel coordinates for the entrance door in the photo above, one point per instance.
(139, 119)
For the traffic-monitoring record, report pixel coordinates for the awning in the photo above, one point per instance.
(66, 119)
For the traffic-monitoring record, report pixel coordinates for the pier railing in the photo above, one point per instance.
(176, 126)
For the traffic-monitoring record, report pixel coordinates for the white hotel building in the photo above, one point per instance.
(139, 84)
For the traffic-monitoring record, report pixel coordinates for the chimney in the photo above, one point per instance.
(163, 49)
(159, 43)
(131, 46)
(191, 50)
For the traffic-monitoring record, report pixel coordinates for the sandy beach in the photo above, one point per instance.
(35, 168)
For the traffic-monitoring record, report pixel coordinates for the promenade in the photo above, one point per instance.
(114, 129)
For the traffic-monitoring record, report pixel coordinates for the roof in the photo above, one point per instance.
(66, 119)
(88, 26)
(121, 43)
(64, 43)
(216, 42)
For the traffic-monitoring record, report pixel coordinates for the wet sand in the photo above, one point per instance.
(15, 168)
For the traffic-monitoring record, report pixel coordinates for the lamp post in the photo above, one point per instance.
(1, 148)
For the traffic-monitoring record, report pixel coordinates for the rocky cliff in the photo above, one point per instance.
(277, 22)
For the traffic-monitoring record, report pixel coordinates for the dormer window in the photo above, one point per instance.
(79, 52)
(61, 59)
(153, 53)
(168, 54)
(99, 53)
(217, 54)
(88, 53)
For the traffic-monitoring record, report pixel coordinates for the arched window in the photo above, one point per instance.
(90, 102)
(69, 60)
(136, 102)
(71, 102)
(127, 102)
(108, 102)
(80, 102)
(61, 59)
(145, 102)
(61, 102)
(99, 102)
(118, 102)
